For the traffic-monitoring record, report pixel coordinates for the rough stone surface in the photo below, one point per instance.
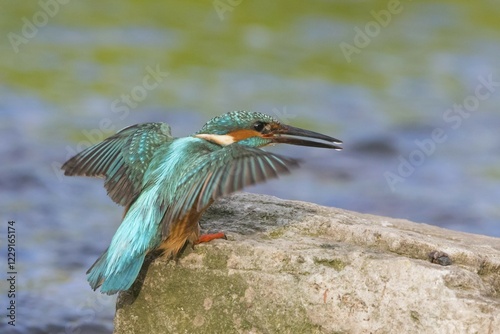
(294, 267)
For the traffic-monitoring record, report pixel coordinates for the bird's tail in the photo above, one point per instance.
(95, 274)
(118, 267)
(111, 280)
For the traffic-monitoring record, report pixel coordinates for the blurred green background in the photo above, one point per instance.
(73, 72)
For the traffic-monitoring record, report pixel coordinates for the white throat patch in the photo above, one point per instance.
(222, 140)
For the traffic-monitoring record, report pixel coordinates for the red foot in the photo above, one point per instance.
(210, 237)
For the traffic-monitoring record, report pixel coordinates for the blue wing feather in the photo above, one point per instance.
(221, 172)
(121, 159)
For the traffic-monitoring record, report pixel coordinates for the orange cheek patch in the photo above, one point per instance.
(244, 134)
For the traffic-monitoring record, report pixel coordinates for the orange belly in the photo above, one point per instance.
(185, 230)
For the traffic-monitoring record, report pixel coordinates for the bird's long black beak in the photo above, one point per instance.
(286, 134)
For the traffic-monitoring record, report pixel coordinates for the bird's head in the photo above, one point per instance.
(256, 129)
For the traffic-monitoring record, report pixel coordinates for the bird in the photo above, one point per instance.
(166, 183)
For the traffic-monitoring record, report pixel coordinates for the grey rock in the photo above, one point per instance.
(294, 267)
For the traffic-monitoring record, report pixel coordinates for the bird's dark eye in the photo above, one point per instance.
(259, 126)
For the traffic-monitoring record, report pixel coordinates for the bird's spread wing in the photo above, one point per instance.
(121, 159)
(222, 172)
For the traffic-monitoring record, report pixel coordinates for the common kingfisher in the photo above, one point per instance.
(166, 183)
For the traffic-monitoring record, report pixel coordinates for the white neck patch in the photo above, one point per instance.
(222, 140)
